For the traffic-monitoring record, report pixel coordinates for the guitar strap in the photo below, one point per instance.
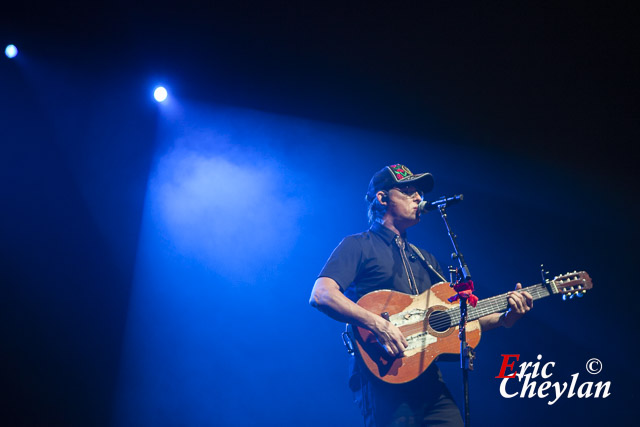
(431, 269)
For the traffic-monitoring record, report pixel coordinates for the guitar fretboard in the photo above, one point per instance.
(496, 304)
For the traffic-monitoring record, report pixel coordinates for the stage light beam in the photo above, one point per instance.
(11, 51)
(160, 94)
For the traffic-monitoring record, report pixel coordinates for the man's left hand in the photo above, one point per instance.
(519, 304)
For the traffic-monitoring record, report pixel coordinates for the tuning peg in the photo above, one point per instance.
(564, 297)
(544, 274)
(580, 294)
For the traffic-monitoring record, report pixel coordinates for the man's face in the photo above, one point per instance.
(403, 204)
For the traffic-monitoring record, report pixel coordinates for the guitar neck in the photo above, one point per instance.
(497, 304)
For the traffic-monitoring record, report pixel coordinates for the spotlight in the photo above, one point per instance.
(160, 94)
(11, 51)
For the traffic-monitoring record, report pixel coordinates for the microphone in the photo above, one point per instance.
(426, 206)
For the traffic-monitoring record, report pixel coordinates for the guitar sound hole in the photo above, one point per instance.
(439, 321)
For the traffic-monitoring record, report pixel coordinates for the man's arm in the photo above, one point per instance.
(327, 297)
(519, 304)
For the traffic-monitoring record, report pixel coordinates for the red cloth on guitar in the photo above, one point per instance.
(464, 290)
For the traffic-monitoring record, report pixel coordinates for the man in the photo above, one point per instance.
(381, 258)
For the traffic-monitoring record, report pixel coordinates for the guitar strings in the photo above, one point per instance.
(494, 304)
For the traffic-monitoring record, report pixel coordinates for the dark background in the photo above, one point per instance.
(529, 109)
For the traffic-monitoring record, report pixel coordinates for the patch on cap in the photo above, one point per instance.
(401, 172)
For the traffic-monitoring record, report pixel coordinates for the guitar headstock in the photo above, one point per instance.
(571, 284)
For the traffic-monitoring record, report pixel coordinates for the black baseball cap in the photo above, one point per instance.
(395, 176)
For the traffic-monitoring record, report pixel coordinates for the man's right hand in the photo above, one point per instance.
(390, 338)
(328, 298)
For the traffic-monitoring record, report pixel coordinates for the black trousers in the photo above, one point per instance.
(425, 401)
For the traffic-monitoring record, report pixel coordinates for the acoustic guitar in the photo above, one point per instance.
(430, 323)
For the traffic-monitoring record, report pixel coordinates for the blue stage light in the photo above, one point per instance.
(160, 94)
(11, 51)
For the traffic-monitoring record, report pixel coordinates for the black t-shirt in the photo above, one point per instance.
(370, 261)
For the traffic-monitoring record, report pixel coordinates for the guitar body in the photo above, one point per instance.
(422, 321)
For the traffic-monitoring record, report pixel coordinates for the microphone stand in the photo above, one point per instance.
(467, 353)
